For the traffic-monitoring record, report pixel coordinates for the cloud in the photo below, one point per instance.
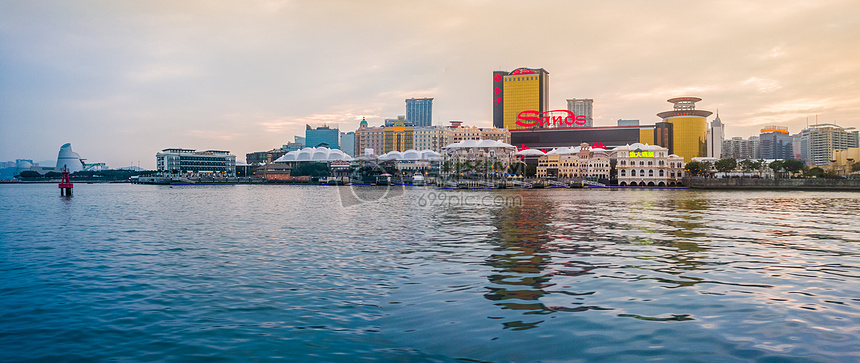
(244, 76)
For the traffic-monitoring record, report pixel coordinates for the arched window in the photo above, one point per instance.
(622, 173)
(650, 162)
(641, 163)
(633, 173)
(650, 172)
(661, 173)
(642, 172)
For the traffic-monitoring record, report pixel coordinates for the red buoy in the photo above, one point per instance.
(66, 184)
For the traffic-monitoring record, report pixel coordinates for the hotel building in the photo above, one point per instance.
(399, 137)
(369, 139)
(523, 89)
(647, 165)
(689, 127)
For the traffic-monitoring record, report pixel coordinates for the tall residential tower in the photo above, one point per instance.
(582, 107)
(419, 111)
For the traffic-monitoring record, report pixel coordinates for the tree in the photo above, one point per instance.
(30, 174)
(793, 165)
(776, 166)
(708, 165)
(310, 169)
(757, 166)
(815, 172)
(726, 165)
(695, 168)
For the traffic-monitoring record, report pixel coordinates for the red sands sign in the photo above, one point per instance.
(522, 71)
(533, 118)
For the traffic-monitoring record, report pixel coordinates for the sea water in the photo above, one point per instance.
(318, 273)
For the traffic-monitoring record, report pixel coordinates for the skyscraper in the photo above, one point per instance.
(819, 142)
(419, 111)
(581, 107)
(689, 127)
(716, 135)
(775, 143)
(523, 89)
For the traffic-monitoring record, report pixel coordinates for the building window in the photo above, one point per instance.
(633, 173)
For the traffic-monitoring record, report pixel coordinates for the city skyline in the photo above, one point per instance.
(121, 81)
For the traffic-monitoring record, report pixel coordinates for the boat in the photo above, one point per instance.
(418, 179)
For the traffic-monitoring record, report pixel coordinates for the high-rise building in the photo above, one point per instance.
(369, 138)
(322, 136)
(523, 89)
(716, 135)
(419, 111)
(819, 141)
(663, 136)
(347, 143)
(740, 149)
(775, 143)
(583, 107)
(689, 127)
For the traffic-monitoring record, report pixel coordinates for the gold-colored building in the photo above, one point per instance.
(844, 161)
(689, 127)
(524, 89)
(399, 137)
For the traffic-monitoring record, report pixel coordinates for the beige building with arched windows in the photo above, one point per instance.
(580, 162)
(647, 165)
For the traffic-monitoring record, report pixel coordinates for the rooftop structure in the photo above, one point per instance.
(689, 127)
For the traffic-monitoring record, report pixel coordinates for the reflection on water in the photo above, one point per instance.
(678, 274)
(271, 272)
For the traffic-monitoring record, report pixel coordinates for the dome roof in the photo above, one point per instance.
(412, 155)
(530, 152)
(314, 154)
(478, 144)
(430, 155)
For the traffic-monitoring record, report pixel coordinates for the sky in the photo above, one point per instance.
(122, 80)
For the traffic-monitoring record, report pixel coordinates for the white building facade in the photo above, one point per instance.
(647, 165)
(190, 161)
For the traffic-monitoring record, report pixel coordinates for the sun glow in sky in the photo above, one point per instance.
(122, 80)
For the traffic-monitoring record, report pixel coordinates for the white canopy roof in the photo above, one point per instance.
(465, 144)
(530, 152)
(314, 154)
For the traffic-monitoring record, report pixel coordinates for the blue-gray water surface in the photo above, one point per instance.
(314, 273)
